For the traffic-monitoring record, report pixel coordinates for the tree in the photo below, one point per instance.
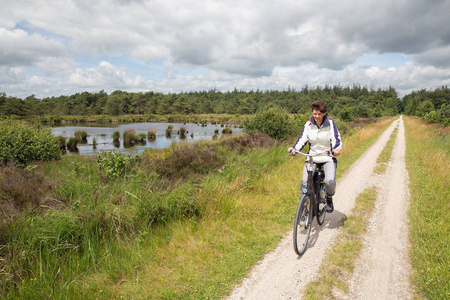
(425, 107)
(412, 106)
(13, 106)
(346, 114)
(113, 105)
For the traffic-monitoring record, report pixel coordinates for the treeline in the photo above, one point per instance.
(347, 102)
(432, 106)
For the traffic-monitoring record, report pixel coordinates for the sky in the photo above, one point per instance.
(62, 47)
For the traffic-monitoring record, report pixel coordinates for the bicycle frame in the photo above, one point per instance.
(309, 203)
(312, 186)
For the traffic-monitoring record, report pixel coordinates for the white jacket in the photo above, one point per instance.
(325, 138)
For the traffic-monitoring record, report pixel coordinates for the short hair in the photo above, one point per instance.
(320, 106)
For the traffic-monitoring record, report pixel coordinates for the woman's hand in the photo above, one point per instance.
(290, 150)
(336, 152)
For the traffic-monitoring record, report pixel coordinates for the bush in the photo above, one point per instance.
(81, 135)
(129, 136)
(227, 130)
(241, 143)
(188, 160)
(115, 164)
(72, 144)
(116, 136)
(22, 143)
(21, 187)
(62, 142)
(431, 116)
(151, 135)
(346, 114)
(169, 130)
(182, 131)
(274, 121)
(141, 137)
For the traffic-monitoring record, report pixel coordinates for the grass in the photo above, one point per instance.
(427, 161)
(341, 258)
(385, 155)
(150, 235)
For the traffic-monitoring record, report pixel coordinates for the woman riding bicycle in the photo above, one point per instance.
(322, 135)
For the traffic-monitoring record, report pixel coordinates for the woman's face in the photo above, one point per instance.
(318, 116)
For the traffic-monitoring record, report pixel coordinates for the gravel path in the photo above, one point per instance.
(383, 269)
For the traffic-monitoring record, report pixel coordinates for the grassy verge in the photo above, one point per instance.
(427, 160)
(358, 143)
(341, 258)
(146, 236)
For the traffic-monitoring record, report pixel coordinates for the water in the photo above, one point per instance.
(104, 142)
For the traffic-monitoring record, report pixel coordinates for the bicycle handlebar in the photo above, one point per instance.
(327, 153)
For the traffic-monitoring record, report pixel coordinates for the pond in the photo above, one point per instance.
(102, 133)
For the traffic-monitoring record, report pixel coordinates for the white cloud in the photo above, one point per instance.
(21, 48)
(245, 44)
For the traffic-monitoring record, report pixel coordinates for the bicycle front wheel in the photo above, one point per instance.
(321, 208)
(302, 224)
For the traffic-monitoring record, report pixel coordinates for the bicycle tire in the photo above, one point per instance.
(302, 224)
(321, 213)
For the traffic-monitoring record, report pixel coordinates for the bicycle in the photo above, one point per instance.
(312, 202)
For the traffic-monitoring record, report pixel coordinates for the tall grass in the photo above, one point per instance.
(427, 161)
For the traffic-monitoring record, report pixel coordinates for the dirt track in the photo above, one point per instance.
(383, 268)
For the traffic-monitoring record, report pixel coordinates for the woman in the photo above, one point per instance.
(322, 135)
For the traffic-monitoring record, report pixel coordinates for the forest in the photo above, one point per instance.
(346, 102)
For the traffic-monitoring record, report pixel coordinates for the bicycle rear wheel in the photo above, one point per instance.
(302, 224)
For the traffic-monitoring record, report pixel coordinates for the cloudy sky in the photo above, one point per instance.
(61, 47)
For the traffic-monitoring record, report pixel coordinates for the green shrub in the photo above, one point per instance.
(169, 130)
(431, 116)
(115, 164)
(22, 143)
(227, 131)
(129, 136)
(141, 137)
(81, 135)
(346, 114)
(274, 121)
(62, 142)
(116, 136)
(72, 144)
(182, 131)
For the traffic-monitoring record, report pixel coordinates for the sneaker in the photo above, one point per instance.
(330, 206)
